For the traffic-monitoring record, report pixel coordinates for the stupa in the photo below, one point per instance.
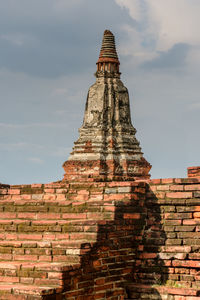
(107, 148)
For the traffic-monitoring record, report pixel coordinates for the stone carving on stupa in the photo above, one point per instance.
(107, 147)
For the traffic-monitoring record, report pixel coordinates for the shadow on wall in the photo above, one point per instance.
(150, 267)
(126, 254)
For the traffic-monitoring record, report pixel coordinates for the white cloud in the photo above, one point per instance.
(174, 21)
(133, 7)
(163, 23)
(133, 46)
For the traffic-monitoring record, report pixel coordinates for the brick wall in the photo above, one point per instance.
(92, 240)
(76, 239)
(170, 248)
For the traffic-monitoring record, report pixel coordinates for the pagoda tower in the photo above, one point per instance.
(107, 148)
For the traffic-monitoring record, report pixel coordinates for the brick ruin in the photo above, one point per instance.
(106, 231)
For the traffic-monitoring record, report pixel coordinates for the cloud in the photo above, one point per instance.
(133, 6)
(174, 21)
(168, 22)
(173, 58)
(53, 42)
(162, 29)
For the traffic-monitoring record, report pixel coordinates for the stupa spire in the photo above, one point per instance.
(108, 59)
(107, 147)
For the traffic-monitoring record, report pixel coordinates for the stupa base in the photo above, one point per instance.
(99, 170)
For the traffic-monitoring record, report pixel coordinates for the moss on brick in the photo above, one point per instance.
(71, 228)
(24, 228)
(29, 190)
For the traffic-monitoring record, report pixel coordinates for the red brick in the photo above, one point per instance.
(14, 191)
(122, 183)
(49, 197)
(178, 215)
(196, 215)
(161, 187)
(148, 255)
(46, 216)
(26, 215)
(116, 197)
(155, 181)
(109, 208)
(173, 222)
(153, 188)
(176, 187)
(83, 192)
(97, 263)
(6, 222)
(196, 208)
(192, 187)
(58, 236)
(160, 195)
(167, 180)
(179, 195)
(74, 216)
(49, 191)
(132, 216)
(79, 197)
(36, 185)
(61, 197)
(16, 197)
(7, 215)
(9, 279)
(191, 222)
(100, 281)
(32, 236)
(95, 216)
(186, 263)
(176, 249)
(45, 258)
(25, 197)
(49, 282)
(49, 236)
(5, 256)
(194, 256)
(25, 257)
(26, 280)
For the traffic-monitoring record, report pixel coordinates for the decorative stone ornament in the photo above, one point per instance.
(107, 148)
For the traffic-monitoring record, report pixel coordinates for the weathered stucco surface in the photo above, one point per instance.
(107, 145)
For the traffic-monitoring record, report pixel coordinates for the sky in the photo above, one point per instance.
(48, 54)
